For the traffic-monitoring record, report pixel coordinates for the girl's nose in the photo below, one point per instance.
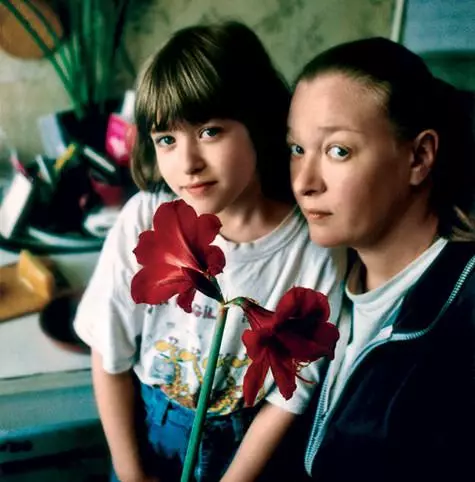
(192, 160)
(307, 179)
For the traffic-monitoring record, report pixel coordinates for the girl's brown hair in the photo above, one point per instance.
(415, 100)
(219, 71)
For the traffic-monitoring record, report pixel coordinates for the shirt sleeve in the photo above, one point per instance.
(107, 318)
(330, 283)
(304, 391)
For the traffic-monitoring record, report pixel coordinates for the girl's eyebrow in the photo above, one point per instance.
(158, 131)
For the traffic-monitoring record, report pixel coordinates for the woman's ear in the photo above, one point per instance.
(424, 147)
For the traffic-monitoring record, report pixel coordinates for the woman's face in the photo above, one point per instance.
(350, 174)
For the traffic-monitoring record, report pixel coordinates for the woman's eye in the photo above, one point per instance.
(210, 132)
(164, 141)
(296, 150)
(338, 152)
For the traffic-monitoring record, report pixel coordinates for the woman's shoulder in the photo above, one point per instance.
(449, 282)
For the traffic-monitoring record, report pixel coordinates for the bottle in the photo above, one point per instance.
(120, 131)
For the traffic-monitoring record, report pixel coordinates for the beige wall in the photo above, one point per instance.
(293, 31)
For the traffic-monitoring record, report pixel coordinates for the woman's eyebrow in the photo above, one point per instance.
(330, 129)
(339, 128)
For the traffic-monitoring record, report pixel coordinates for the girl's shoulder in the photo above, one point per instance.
(138, 211)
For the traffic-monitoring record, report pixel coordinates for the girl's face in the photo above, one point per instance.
(211, 166)
(350, 174)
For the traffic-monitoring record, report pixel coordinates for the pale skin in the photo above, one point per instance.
(115, 402)
(259, 444)
(358, 183)
(219, 153)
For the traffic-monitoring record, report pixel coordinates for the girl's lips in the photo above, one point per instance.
(199, 189)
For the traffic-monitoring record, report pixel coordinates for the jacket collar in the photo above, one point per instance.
(427, 297)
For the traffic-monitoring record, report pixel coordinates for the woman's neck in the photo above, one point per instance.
(397, 250)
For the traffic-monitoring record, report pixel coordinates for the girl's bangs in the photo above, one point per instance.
(187, 91)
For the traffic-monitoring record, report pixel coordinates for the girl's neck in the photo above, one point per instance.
(259, 219)
(393, 253)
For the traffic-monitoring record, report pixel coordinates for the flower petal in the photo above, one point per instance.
(255, 348)
(284, 371)
(178, 256)
(156, 284)
(300, 302)
(208, 227)
(185, 299)
(172, 221)
(257, 316)
(147, 250)
(304, 349)
(215, 260)
(254, 379)
(203, 284)
(198, 232)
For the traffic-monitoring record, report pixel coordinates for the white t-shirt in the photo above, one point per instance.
(367, 317)
(168, 347)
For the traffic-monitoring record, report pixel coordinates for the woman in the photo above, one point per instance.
(382, 162)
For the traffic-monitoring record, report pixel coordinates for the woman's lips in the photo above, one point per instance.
(314, 215)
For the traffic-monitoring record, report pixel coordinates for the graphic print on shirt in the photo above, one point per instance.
(173, 365)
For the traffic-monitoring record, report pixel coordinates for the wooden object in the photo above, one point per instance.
(36, 275)
(28, 286)
(16, 41)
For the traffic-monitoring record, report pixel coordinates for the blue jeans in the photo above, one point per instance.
(168, 429)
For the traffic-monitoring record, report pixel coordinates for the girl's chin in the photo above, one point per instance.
(326, 240)
(201, 207)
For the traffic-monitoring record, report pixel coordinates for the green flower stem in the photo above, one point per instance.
(239, 301)
(205, 392)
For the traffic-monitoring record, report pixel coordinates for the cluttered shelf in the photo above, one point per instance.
(66, 198)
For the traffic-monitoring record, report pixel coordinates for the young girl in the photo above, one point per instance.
(382, 162)
(211, 117)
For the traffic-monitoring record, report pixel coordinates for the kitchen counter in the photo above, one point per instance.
(46, 398)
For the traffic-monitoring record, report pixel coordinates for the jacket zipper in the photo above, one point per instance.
(322, 419)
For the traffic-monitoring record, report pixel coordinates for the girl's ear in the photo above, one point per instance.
(424, 150)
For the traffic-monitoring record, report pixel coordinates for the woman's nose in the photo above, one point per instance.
(307, 178)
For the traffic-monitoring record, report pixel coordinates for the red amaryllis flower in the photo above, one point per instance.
(177, 258)
(297, 333)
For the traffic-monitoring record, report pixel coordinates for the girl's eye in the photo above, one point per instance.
(164, 141)
(210, 132)
(296, 150)
(338, 152)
